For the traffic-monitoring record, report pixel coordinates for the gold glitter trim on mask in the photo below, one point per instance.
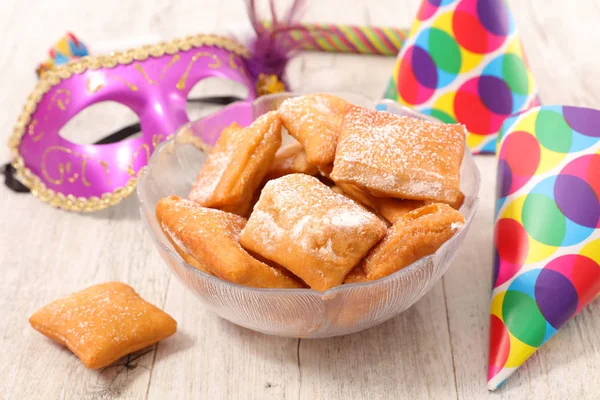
(55, 75)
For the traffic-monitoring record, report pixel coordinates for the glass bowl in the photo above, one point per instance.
(302, 313)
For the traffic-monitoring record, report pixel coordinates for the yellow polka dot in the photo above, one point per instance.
(526, 123)
(444, 23)
(538, 251)
(549, 159)
(496, 307)
(474, 140)
(514, 46)
(469, 60)
(415, 28)
(445, 103)
(515, 209)
(592, 250)
(519, 352)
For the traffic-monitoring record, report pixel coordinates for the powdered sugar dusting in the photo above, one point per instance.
(420, 157)
(456, 225)
(266, 229)
(213, 169)
(322, 105)
(314, 120)
(350, 219)
(301, 208)
(206, 220)
(103, 321)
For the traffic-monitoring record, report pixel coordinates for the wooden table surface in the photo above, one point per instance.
(437, 349)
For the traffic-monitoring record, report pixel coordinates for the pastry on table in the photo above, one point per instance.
(314, 120)
(400, 157)
(211, 237)
(417, 234)
(103, 323)
(315, 233)
(291, 159)
(237, 165)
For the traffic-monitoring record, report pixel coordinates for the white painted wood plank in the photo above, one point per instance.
(47, 253)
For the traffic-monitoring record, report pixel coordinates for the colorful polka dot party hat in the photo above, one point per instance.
(463, 62)
(547, 230)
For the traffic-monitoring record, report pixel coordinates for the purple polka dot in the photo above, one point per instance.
(504, 178)
(495, 94)
(584, 120)
(556, 297)
(435, 3)
(577, 200)
(494, 16)
(424, 68)
(496, 268)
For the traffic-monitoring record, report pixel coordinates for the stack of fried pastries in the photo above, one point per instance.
(359, 195)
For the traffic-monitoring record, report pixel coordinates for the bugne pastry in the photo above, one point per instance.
(103, 323)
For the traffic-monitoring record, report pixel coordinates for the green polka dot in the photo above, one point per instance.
(523, 318)
(441, 115)
(391, 92)
(543, 221)
(515, 74)
(444, 51)
(553, 132)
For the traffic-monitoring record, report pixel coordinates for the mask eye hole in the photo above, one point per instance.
(98, 121)
(209, 95)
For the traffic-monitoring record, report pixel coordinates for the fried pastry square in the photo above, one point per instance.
(211, 238)
(291, 159)
(401, 157)
(237, 165)
(417, 234)
(103, 323)
(315, 233)
(314, 120)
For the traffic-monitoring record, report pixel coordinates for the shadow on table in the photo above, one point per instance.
(114, 378)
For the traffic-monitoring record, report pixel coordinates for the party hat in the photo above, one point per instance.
(463, 62)
(547, 230)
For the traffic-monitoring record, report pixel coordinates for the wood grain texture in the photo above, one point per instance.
(435, 350)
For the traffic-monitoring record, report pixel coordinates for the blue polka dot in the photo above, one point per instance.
(525, 283)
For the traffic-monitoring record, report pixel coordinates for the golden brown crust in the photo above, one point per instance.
(211, 237)
(237, 165)
(291, 159)
(417, 234)
(357, 275)
(400, 157)
(394, 209)
(314, 120)
(103, 323)
(308, 229)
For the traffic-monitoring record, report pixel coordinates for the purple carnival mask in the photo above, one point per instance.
(153, 81)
